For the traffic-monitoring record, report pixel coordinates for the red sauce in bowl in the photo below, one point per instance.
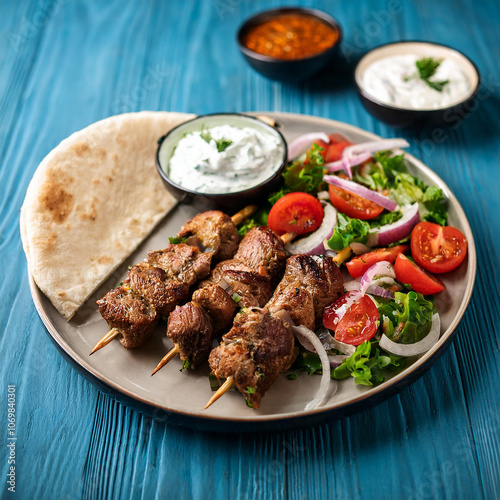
(291, 36)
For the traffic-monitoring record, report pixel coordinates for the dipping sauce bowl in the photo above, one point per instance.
(226, 158)
(290, 43)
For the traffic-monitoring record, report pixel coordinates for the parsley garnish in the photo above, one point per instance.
(185, 364)
(205, 135)
(236, 297)
(175, 240)
(250, 390)
(223, 144)
(427, 67)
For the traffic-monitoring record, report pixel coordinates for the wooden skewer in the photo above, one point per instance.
(114, 332)
(239, 217)
(342, 256)
(286, 238)
(170, 354)
(221, 391)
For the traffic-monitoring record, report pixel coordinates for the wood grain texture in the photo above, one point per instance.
(67, 63)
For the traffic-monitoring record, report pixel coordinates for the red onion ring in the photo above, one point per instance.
(362, 191)
(300, 145)
(390, 233)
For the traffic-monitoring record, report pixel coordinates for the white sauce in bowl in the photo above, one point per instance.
(251, 158)
(395, 81)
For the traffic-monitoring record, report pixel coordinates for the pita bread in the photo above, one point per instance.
(91, 202)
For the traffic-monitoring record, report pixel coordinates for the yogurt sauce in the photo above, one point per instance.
(395, 81)
(250, 159)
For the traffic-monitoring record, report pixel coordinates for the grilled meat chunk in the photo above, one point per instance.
(182, 263)
(219, 306)
(254, 289)
(255, 351)
(311, 282)
(152, 284)
(263, 252)
(215, 231)
(126, 311)
(190, 329)
(219, 270)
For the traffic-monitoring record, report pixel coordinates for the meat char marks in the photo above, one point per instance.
(153, 288)
(255, 351)
(260, 345)
(259, 262)
(311, 282)
(213, 232)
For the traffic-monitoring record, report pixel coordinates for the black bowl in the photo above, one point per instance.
(234, 200)
(288, 70)
(406, 117)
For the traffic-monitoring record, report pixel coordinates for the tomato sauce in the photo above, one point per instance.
(291, 36)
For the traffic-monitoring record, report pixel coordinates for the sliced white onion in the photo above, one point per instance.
(390, 233)
(302, 332)
(417, 348)
(382, 268)
(359, 248)
(364, 192)
(323, 195)
(300, 145)
(313, 244)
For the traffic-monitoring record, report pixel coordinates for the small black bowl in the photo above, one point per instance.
(255, 193)
(288, 70)
(406, 117)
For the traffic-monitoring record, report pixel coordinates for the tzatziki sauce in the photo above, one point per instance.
(225, 159)
(395, 81)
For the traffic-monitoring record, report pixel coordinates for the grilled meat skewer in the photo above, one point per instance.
(259, 262)
(157, 285)
(256, 350)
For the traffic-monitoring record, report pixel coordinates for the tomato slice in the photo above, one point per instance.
(296, 213)
(436, 248)
(359, 265)
(359, 322)
(419, 279)
(353, 205)
(333, 151)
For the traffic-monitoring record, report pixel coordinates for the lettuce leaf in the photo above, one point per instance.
(306, 177)
(408, 318)
(348, 230)
(366, 365)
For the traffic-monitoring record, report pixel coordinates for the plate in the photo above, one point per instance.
(178, 397)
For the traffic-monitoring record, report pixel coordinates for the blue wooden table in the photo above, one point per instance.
(67, 63)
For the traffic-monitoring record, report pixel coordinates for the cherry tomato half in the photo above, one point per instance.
(296, 213)
(359, 265)
(436, 248)
(333, 151)
(419, 279)
(359, 322)
(353, 205)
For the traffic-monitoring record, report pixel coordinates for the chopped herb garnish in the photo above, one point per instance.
(250, 390)
(427, 67)
(223, 144)
(175, 240)
(205, 135)
(292, 376)
(236, 297)
(185, 365)
(214, 383)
